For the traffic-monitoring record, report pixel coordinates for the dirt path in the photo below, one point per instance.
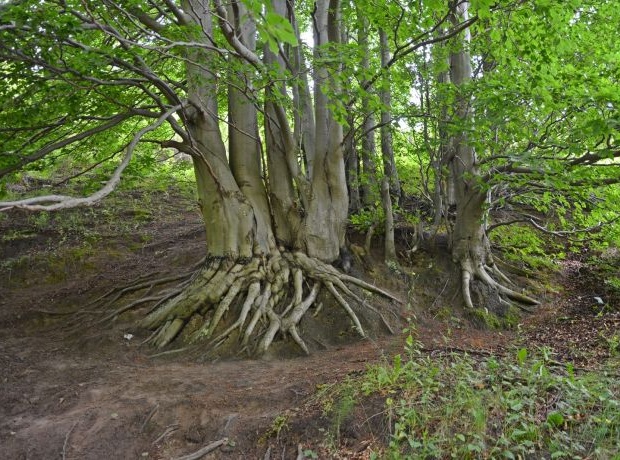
(105, 398)
(131, 407)
(71, 392)
(121, 404)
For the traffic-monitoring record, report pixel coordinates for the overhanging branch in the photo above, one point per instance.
(65, 202)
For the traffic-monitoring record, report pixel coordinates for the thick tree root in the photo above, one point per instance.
(268, 296)
(471, 271)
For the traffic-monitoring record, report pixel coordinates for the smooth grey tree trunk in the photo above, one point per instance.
(390, 185)
(244, 143)
(228, 216)
(471, 248)
(368, 179)
(327, 212)
(304, 124)
(352, 164)
(387, 147)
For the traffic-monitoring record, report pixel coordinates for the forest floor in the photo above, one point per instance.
(72, 391)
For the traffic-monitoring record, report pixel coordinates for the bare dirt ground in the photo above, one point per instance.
(72, 391)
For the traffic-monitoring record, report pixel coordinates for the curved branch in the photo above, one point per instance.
(65, 202)
(559, 233)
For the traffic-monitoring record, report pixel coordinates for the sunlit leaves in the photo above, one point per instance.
(276, 30)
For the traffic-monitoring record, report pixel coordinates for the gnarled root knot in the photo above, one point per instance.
(274, 294)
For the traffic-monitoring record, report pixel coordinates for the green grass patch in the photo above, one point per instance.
(525, 405)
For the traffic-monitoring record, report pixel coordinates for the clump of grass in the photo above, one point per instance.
(466, 406)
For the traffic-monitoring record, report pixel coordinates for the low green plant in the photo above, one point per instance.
(612, 341)
(490, 320)
(40, 221)
(279, 424)
(337, 402)
(521, 406)
(613, 282)
(309, 453)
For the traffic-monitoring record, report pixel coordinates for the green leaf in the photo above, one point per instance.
(280, 29)
(522, 356)
(555, 419)
(516, 406)
(482, 8)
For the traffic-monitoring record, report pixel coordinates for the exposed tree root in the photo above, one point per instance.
(268, 296)
(147, 282)
(471, 271)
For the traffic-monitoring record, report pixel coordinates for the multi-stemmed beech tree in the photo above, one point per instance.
(274, 221)
(263, 120)
(470, 245)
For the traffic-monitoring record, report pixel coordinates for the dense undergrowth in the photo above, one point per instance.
(468, 406)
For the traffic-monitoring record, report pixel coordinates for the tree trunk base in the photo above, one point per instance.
(265, 296)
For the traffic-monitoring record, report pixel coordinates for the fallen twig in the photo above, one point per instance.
(169, 352)
(64, 446)
(204, 451)
(149, 417)
(54, 313)
(167, 432)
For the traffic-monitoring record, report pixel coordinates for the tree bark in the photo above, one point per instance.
(244, 144)
(283, 150)
(228, 216)
(304, 124)
(387, 147)
(389, 245)
(352, 163)
(327, 211)
(368, 183)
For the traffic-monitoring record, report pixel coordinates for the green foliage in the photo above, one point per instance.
(273, 28)
(278, 425)
(544, 97)
(338, 401)
(366, 218)
(411, 162)
(309, 453)
(523, 244)
(151, 170)
(603, 205)
(461, 406)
